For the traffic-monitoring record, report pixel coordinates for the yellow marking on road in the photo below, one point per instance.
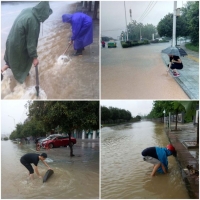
(193, 58)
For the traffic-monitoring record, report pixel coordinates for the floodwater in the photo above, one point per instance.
(73, 178)
(137, 73)
(124, 174)
(76, 78)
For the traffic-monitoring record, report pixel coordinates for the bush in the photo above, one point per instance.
(6, 138)
(192, 47)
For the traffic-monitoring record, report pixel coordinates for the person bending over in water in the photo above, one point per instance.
(34, 158)
(158, 157)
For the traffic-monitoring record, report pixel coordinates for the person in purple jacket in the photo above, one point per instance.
(82, 30)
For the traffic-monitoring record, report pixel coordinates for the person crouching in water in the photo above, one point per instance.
(158, 157)
(82, 30)
(34, 158)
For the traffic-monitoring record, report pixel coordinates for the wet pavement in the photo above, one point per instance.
(137, 73)
(76, 79)
(74, 177)
(189, 75)
(186, 156)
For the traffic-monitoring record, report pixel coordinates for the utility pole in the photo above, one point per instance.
(125, 19)
(174, 25)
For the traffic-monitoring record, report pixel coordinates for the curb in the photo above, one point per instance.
(181, 84)
(187, 179)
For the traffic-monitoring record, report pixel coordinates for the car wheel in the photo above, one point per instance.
(50, 146)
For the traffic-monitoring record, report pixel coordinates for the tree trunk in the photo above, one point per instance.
(176, 120)
(70, 145)
(198, 129)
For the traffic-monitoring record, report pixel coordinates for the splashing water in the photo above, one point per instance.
(63, 59)
(19, 91)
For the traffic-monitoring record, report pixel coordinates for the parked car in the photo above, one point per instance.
(112, 44)
(49, 137)
(57, 142)
(39, 139)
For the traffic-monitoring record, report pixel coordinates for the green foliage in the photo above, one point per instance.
(175, 107)
(192, 47)
(69, 115)
(5, 138)
(133, 43)
(113, 114)
(191, 16)
(186, 24)
(134, 30)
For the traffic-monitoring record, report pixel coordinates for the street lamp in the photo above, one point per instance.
(164, 118)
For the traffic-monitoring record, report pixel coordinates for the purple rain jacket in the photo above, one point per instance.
(82, 29)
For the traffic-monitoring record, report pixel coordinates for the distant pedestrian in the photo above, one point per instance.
(22, 41)
(158, 157)
(175, 63)
(103, 43)
(33, 158)
(82, 30)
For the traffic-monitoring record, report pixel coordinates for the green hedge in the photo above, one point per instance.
(133, 43)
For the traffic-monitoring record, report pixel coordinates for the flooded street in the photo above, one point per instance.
(124, 174)
(76, 78)
(137, 73)
(76, 177)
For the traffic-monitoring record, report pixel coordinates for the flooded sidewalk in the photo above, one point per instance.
(189, 75)
(76, 78)
(186, 155)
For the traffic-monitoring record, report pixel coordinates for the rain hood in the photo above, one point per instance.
(42, 11)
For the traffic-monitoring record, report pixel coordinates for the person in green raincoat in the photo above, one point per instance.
(21, 44)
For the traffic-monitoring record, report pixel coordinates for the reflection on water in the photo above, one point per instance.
(124, 174)
(76, 177)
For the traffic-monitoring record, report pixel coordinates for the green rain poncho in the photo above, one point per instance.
(21, 44)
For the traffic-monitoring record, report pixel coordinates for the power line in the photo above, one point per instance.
(111, 30)
(148, 11)
(145, 10)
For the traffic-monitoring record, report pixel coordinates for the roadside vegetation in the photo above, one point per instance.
(114, 116)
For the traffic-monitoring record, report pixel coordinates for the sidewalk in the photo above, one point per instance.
(186, 156)
(189, 75)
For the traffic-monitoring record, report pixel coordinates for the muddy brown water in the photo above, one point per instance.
(137, 73)
(73, 178)
(76, 79)
(124, 174)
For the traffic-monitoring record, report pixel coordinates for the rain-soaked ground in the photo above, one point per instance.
(124, 174)
(76, 78)
(73, 178)
(137, 73)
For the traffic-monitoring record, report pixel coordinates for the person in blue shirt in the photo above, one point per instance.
(158, 157)
(82, 30)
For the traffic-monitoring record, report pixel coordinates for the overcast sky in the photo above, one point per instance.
(12, 112)
(136, 107)
(113, 14)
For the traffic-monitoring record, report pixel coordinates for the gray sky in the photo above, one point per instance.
(17, 112)
(113, 14)
(134, 106)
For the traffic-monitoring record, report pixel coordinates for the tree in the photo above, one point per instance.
(191, 15)
(191, 107)
(105, 113)
(69, 115)
(165, 26)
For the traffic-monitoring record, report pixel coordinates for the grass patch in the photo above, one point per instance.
(192, 47)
